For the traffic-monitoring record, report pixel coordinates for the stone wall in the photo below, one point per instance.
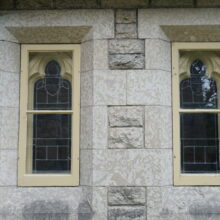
(126, 119)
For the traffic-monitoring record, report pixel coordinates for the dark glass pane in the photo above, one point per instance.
(199, 142)
(52, 143)
(198, 91)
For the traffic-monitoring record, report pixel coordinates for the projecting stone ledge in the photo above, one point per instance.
(126, 61)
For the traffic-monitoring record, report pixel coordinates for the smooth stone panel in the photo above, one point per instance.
(149, 87)
(172, 3)
(158, 127)
(9, 57)
(126, 61)
(126, 46)
(125, 116)
(9, 128)
(126, 31)
(158, 54)
(132, 167)
(9, 89)
(109, 87)
(126, 138)
(126, 213)
(126, 196)
(195, 202)
(124, 3)
(124, 16)
(8, 168)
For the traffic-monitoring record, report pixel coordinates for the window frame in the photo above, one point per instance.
(29, 179)
(189, 179)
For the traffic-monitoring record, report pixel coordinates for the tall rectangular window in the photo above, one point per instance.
(49, 115)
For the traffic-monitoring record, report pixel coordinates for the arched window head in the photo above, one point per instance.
(52, 69)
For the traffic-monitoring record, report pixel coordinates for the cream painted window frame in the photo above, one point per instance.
(182, 178)
(25, 178)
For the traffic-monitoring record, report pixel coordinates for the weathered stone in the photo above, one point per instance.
(38, 4)
(125, 116)
(126, 46)
(126, 138)
(69, 4)
(85, 211)
(9, 4)
(125, 16)
(210, 3)
(124, 3)
(172, 3)
(126, 61)
(126, 213)
(126, 31)
(126, 196)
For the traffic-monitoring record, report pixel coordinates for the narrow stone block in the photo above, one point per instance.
(68, 4)
(126, 138)
(172, 3)
(126, 46)
(125, 16)
(125, 116)
(210, 3)
(126, 196)
(38, 4)
(126, 31)
(124, 3)
(126, 61)
(126, 213)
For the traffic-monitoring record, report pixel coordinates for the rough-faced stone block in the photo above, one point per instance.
(126, 31)
(126, 196)
(172, 3)
(158, 127)
(158, 54)
(126, 46)
(125, 116)
(39, 4)
(210, 3)
(9, 128)
(126, 61)
(125, 16)
(69, 4)
(126, 213)
(9, 57)
(149, 87)
(109, 87)
(124, 3)
(126, 138)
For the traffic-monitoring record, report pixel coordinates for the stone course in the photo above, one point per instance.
(126, 31)
(125, 16)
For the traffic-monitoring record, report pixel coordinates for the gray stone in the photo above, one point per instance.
(38, 4)
(126, 196)
(126, 46)
(126, 61)
(210, 3)
(125, 116)
(124, 3)
(68, 4)
(85, 211)
(9, 4)
(125, 16)
(172, 3)
(126, 31)
(126, 138)
(126, 213)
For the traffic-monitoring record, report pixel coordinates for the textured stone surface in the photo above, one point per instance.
(158, 127)
(194, 202)
(126, 213)
(125, 116)
(210, 3)
(132, 167)
(158, 54)
(124, 3)
(85, 211)
(8, 167)
(126, 46)
(8, 128)
(172, 3)
(125, 16)
(87, 56)
(9, 89)
(149, 87)
(126, 31)
(126, 138)
(68, 4)
(38, 4)
(109, 87)
(9, 4)
(9, 57)
(126, 61)
(126, 196)
(86, 88)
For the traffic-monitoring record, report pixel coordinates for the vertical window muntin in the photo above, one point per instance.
(68, 57)
(183, 55)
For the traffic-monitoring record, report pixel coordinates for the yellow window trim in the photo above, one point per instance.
(182, 178)
(24, 178)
